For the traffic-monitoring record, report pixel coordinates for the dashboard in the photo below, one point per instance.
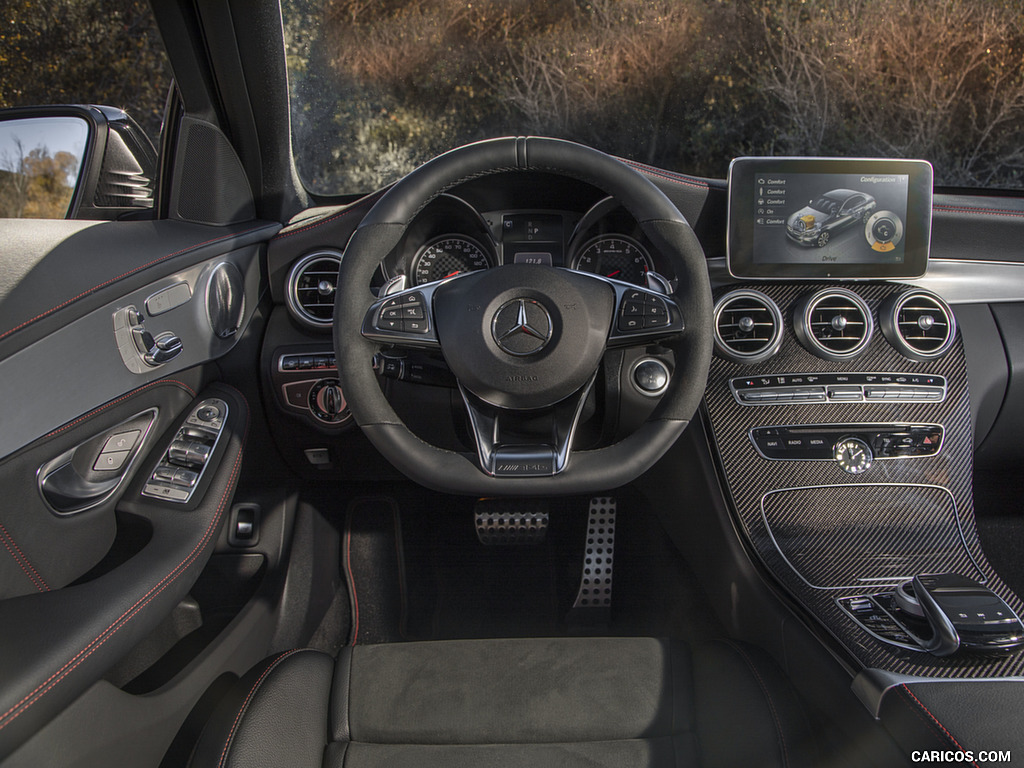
(837, 410)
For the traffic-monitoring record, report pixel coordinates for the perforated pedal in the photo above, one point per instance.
(511, 521)
(596, 581)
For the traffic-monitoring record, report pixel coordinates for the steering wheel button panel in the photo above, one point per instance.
(402, 318)
(646, 312)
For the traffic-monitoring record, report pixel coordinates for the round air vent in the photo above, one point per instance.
(834, 323)
(311, 285)
(919, 324)
(748, 326)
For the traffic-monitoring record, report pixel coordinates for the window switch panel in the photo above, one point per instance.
(181, 468)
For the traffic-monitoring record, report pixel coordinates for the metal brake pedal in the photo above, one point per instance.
(595, 592)
(511, 521)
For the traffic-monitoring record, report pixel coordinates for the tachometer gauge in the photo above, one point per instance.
(447, 256)
(615, 256)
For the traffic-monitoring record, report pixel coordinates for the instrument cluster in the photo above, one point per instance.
(451, 237)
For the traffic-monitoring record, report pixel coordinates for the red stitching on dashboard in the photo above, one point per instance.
(22, 560)
(134, 392)
(643, 168)
(988, 211)
(935, 720)
(245, 704)
(39, 691)
(127, 274)
(333, 217)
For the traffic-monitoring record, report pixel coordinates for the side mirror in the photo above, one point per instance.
(74, 162)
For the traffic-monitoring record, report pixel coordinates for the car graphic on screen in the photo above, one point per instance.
(832, 212)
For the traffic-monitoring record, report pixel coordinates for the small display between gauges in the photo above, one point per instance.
(447, 256)
(615, 256)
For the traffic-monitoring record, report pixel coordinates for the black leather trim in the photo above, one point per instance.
(287, 696)
(957, 716)
(974, 227)
(339, 728)
(58, 643)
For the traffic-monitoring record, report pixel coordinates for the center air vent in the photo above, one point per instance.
(311, 286)
(834, 324)
(919, 324)
(748, 326)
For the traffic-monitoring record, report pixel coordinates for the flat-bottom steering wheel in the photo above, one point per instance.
(524, 341)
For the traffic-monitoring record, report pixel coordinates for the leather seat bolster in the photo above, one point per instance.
(277, 714)
(747, 713)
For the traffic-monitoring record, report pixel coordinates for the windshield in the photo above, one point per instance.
(379, 86)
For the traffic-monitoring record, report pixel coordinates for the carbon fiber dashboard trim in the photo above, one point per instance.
(937, 502)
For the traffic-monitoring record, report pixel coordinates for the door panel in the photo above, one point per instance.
(86, 417)
(54, 549)
(85, 361)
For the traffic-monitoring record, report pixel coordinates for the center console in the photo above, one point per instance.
(839, 408)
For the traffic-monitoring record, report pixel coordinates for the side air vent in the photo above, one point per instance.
(834, 324)
(311, 286)
(919, 324)
(748, 326)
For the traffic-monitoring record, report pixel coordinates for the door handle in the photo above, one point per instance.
(91, 472)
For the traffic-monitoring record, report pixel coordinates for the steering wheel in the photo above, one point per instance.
(524, 341)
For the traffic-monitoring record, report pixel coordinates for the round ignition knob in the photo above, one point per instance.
(853, 455)
(651, 376)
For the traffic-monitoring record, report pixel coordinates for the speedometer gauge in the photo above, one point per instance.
(447, 256)
(615, 256)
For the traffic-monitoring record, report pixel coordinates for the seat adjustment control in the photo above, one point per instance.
(140, 350)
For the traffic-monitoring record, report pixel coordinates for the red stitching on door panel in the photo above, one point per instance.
(39, 691)
(22, 560)
(124, 397)
(130, 272)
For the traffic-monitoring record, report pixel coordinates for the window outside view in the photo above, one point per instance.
(379, 87)
(104, 52)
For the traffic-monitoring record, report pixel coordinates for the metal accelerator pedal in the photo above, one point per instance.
(511, 521)
(594, 599)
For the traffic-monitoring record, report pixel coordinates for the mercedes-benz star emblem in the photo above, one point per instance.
(521, 327)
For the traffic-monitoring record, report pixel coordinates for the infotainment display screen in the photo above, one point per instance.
(807, 218)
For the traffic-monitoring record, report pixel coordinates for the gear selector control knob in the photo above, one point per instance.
(962, 614)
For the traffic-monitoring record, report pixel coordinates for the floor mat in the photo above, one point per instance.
(373, 565)
(460, 588)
